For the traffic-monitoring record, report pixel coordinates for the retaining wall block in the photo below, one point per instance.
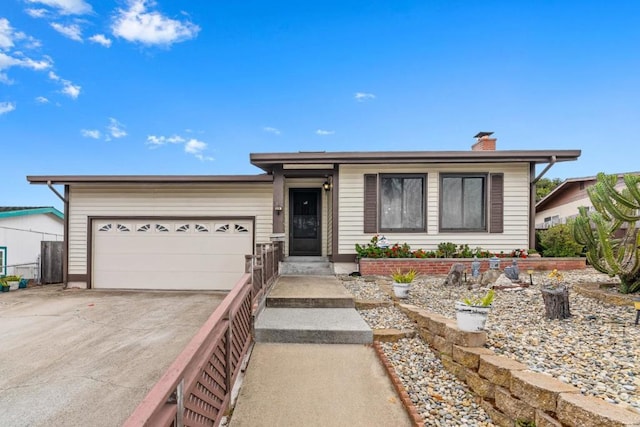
(545, 420)
(465, 339)
(427, 336)
(538, 390)
(513, 407)
(469, 357)
(441, 345)
(417, 314)
(437, 324)
(455, 368)
(576, 410)
(497, 417)
(480, 386)
(497, 369)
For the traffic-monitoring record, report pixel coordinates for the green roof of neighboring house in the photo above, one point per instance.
(9, 211)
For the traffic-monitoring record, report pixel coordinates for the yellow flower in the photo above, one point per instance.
(555, 274)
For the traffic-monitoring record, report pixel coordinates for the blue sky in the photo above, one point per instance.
(193, 87)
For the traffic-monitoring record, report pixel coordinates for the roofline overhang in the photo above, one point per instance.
(22, 212)
(267, 161)
(147, 179)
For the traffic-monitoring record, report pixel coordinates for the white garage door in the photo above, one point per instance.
(172, 254)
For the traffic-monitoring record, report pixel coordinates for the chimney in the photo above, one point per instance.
(484, 142)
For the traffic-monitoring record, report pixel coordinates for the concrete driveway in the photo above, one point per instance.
(87, 357)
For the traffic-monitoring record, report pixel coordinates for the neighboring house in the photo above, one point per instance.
(21, 231)
(562, 202)
(192, 232)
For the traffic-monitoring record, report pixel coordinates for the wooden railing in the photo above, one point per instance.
(263, 267)
(196, 389)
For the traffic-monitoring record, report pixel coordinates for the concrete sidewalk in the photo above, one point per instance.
(317, 385)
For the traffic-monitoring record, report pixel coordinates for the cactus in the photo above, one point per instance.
(610, 234)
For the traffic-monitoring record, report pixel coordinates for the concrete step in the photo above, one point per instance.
(299, 265)
(309, 292)
(312, 325)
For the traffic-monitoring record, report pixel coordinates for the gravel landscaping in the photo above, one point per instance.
(597, 349)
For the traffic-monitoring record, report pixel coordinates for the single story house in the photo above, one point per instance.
(562, 202)
(22, 229)
(192, 232)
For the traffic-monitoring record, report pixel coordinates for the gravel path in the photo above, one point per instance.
(596, 350)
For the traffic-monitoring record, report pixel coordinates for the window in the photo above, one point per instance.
(463, 202)
(3, 261)
(402, 203)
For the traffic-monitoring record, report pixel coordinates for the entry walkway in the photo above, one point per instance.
(310, 384)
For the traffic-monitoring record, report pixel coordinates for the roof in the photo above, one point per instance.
(137, 179)
(267, 161)
(567, 182)
(11, 211)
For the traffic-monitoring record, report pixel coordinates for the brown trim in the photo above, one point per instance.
(90, 220)
(157, 179)
(496, 203)
(267, 161)
(78, 277)
(532, 206)
(278, 200)
(344, 258)
(370, 205)
(306, 173)
(65, 245)
(335, 216)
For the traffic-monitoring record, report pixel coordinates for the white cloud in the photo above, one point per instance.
(363, 96)
(42, 100)
(37, 13)
(101, 39)
(68, 88)
(137, 24)
(6, 34)
(7, 61)
(191, 146)
(5, 79)
(115, 128)
(66, 7)
(91, 133)
(272, 130)
(7, 107)
(323, 132)
(73, 31)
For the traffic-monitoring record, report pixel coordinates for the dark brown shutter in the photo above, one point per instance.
(496, 200)
(371, 203)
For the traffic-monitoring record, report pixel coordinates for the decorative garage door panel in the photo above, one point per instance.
(177, 255)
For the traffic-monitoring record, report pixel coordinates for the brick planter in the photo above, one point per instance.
(384, 266)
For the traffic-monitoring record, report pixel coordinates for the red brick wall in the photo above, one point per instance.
(385, 266)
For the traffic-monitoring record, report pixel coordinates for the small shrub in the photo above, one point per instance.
(558, 241)
(446, 250)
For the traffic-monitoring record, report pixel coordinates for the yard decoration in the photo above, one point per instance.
(402, 282)
(556, 297)
(472, 312)
(610, 235)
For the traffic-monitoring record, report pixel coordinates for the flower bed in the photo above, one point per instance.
(385, 266)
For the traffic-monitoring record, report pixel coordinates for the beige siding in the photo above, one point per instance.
(307, 183)
(228, 200)
(516, 207)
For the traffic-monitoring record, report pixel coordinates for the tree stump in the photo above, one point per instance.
(556, 303)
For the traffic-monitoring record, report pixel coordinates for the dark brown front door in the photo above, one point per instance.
(304, 222)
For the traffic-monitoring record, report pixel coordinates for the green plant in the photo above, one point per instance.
(400, 277)
(484, 301)
(12, 278)
(610, 235)
(446, 249)
(525, 423)
(558, 241)
(465, 252)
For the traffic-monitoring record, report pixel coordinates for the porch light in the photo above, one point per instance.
(326, 186)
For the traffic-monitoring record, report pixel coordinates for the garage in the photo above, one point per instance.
(172, 254)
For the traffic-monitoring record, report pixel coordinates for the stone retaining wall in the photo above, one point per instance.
(385, 266)
(509, 392)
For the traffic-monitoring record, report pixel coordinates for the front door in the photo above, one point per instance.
(304, 222)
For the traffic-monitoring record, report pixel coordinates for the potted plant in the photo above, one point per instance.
(4, 287)
(472, 312)
(402, 282)
(13, 282)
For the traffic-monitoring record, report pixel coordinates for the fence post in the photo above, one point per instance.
(227, 350)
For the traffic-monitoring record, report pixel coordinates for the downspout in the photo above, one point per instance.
(65, 245)
(532, 198)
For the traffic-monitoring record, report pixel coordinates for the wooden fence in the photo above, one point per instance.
(264, 269)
